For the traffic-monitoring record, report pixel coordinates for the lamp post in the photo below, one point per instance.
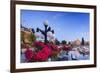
(45, 31)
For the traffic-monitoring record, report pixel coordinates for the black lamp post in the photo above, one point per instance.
(44, 32)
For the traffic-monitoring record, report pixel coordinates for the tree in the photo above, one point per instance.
(57, 42)
(82, 42)
(69, 43)
(64, 42)
(32, 38)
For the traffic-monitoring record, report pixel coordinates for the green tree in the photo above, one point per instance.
(69, 42)
(57, 42)
(64, 42)
(82, 42)
(32, 38)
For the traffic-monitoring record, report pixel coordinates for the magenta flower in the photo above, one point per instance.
(54, 47)
(43, 54)
(29, 54)
(66, 48)
(39, 43)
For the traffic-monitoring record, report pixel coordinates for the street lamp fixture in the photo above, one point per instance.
(45, 31)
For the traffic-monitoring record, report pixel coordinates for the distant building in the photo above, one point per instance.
(77, 42)
(27, 36)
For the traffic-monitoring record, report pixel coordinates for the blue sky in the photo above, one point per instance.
(67, 25)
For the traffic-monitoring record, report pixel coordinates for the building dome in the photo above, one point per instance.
(77, 42)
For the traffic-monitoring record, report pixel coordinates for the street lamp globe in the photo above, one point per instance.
(46, 23)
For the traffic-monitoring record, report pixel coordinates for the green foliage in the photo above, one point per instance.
(64, 42)
(83, 42)
(57, 42)
(69, 43)
(32, 38)
(22, 36)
